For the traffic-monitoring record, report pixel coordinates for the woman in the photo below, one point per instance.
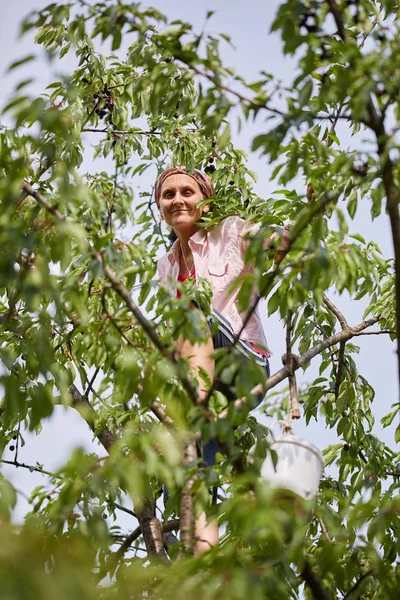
(216, 254)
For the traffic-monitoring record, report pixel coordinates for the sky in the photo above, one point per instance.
(248, 23)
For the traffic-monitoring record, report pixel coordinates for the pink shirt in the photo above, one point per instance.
(218, 255)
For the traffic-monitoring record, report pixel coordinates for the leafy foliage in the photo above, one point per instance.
(75, 245)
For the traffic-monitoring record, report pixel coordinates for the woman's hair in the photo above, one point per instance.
(201, 178)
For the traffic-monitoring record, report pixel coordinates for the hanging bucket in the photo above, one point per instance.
(299, 468)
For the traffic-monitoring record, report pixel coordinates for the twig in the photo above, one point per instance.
(340, 317)
(128, 511)
(294, 412)
(324, 529)
(114, 322)
(91, 382)
(121, 133)
(357, 583)
(31, 468)
(344, 325)
(385, 331)
(339, 371)
(253, 102)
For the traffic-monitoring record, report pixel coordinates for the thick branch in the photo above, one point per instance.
(83, 406)
(315, 585)
(332, 340)
(166, 528)
(151, 332)
(392, 206)
(302, 360)
(338, 18)
(43, 202)
(294, 412)
(186, 514)
(151, 528)
(376, 123)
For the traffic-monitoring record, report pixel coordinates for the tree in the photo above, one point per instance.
(72, 331)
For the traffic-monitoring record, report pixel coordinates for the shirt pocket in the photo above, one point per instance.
(218, 269)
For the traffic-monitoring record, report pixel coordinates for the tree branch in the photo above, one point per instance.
(344, 326)
(392, 207)
(38, 469)
(120, 132)
(186, 514)
(320, 347)
(128, 511)
(294, 412)
(166, 528)
(357, 583)
(91, 383)
(160, 413)
(151, 528)
(151, 332)
(315, 585)
(83, 406)
(253, 102)
(43, 202)
(340, 317)
(338, 18)
(302, 360)
(298, 228)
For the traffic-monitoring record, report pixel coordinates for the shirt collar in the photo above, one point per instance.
(197, 238)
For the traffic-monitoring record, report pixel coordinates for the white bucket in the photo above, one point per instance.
(299, 468)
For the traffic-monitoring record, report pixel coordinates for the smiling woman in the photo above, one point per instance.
(216, 254)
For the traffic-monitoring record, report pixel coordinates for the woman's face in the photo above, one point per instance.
(180, 194)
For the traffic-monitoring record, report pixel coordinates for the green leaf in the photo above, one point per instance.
(358, 237)
(116, 43)
(225, 137)
(21, 61)
(305, 93)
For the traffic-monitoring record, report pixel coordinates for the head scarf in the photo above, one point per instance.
(202, 179)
